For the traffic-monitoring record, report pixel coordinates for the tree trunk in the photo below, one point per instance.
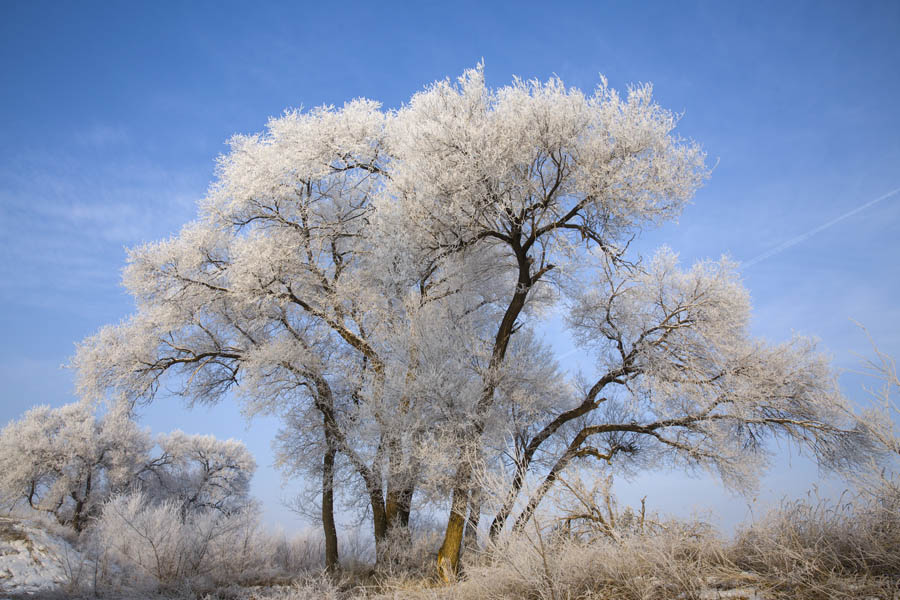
(335, 440)
(400, 490)
(394, 491)
(397, 509)
(78, 515)
(332, 563)
(379, 523)
(405, 509)
(448, 555)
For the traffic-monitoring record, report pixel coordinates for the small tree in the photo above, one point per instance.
(200, 472)
(66, 462)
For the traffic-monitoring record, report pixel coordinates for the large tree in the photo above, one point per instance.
(375, 277)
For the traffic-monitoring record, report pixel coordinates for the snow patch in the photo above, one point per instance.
(32, 560)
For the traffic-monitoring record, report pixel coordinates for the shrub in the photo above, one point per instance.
(162, 550)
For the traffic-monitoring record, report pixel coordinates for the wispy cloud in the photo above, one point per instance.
(64, 222)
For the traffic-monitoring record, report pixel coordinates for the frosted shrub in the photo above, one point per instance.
(410, 552)
(151, 541)
(299, 554)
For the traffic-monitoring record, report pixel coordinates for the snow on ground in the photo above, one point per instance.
(32, 560)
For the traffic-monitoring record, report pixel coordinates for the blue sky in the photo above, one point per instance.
(111, 116)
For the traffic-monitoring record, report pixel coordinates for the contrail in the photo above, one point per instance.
(803, 237)
(569, 353)
(790, 243)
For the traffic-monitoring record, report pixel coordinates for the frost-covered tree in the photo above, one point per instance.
(199, 472)
(683, 384)
(375, 277)
(66, 461)
(552, 184)
(265, 287)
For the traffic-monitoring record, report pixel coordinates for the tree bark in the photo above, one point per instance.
(379, 522)
(78, 514)
(471, 536)
(448, 555)
(332, 560)
(397, 508)
(406, 497)
(392, 503)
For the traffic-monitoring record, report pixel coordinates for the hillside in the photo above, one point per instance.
(33, 560)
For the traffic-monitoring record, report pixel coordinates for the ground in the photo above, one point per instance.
(33, 560)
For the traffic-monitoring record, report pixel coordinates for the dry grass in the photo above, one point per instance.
(819, 549)
(804, 550)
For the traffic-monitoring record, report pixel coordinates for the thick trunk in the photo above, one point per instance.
(405, 506)
(392, 502)
(401, 480)
(379, 523)
(448, 555)
(392, 507)
(76, 517)
(397, 508)
(379, 517)
(329, 529)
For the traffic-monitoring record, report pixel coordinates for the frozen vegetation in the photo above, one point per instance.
(803, 550)
(375, 279)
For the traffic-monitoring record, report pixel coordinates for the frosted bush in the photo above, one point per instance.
(160, 549)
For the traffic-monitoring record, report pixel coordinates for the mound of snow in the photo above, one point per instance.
(32, 560)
